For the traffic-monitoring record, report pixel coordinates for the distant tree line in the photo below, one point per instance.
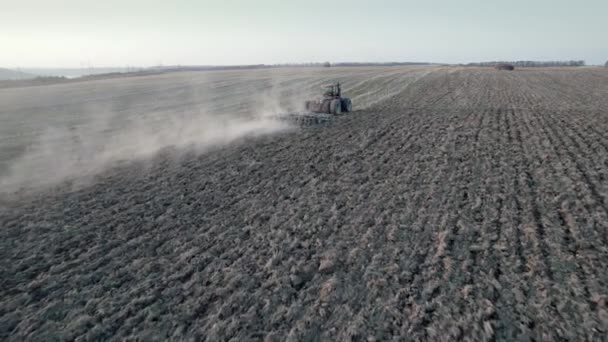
(37, 81)
(356, 64)
(531, 64)
(170, 68)
(347, 64)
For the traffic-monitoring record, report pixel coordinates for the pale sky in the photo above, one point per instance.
(76, 33)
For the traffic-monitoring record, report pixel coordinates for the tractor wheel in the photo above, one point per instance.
(347, 105)
(336, 107)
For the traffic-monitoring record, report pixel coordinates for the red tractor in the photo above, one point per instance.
(332, 102)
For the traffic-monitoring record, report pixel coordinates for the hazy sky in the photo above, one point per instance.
(75, 33)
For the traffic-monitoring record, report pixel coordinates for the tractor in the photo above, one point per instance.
(332, 102)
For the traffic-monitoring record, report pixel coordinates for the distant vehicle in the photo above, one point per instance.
(504, 66)
(332, 101)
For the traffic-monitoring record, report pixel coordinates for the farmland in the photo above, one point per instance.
(455, 203)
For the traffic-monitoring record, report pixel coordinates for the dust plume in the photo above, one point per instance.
(79, 152)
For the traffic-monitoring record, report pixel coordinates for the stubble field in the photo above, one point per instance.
(455, 203)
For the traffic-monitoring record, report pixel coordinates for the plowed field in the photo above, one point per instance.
(454, 204)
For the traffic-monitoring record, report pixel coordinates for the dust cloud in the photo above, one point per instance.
(74, 132)
(78, 152)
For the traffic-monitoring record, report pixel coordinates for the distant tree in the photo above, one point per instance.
(606, 65)
(532, 64)
(327, 64)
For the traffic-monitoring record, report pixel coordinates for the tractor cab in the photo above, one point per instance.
(332, 101)
(332, 90)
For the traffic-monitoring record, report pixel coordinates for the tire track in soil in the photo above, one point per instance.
(379, 246)
(588, 126)
(482, 286)
(542, 281)
(532, 189)
(498, 260)
(467, 223)
(591, 186)
(575, 148)
(511, 138)
(425, 127)
(416, 175)
(377, 234)
(485, 287)
(395, 303)
(599, 201)
(589, 210)
(430, 266)
(522, 291)
(558, 257)
(567, 234)
(413, 293)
